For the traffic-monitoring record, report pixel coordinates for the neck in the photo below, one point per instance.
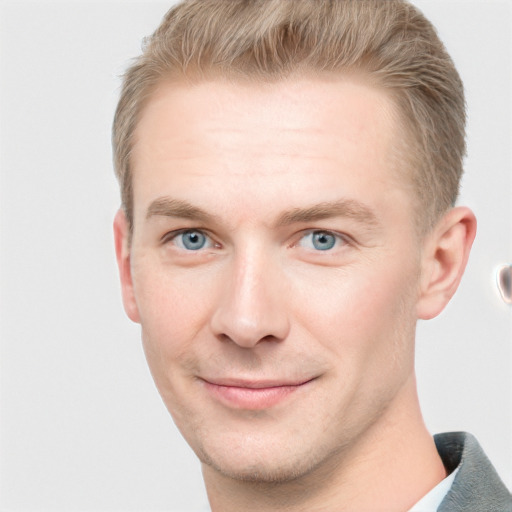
(390, 466)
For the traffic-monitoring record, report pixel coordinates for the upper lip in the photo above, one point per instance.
(256, 383)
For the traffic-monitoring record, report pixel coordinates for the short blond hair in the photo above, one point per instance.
(389, 41)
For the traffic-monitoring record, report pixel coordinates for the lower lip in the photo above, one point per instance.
(251, 398)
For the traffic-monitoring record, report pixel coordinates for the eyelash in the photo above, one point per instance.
(173, 235)
(337, 239)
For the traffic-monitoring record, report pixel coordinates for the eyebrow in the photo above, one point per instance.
(169, 207)
(349, 208)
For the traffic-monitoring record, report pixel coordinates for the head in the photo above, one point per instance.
(287, 169)
(389, 44)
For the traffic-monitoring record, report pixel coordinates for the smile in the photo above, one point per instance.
(254, 396)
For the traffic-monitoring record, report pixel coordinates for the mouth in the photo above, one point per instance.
(253, 395)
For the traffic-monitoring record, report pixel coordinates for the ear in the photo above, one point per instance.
(122, 242)
(445, 254)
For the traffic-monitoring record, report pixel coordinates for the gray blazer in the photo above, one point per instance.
(477, 487)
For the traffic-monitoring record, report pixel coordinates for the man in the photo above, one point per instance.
(288, 172)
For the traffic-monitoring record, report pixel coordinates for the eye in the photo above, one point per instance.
(191, 240)
(321, 240)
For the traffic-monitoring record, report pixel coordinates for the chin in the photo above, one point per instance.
(264, 472)
(257, 460)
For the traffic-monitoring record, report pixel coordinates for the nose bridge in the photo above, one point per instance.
(251, 308)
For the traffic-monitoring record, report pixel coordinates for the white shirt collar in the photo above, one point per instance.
(431, 501)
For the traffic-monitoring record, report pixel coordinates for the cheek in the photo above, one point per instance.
(358, 312)
(173, 305)
(175, 309)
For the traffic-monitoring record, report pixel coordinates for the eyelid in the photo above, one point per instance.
(171, 235)
(343, 237)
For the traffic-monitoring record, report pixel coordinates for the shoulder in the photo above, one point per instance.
(477, 486)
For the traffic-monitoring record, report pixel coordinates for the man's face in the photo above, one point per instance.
(275, 266)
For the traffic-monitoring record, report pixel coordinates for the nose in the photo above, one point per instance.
(252, 306)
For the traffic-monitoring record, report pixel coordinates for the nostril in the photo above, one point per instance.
(269, 337)
(247, 340)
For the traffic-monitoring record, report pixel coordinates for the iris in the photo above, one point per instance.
(193, 240)
(323, 241)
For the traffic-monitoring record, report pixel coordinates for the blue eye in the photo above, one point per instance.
(320, 240)
(323, 241)
(192, 240)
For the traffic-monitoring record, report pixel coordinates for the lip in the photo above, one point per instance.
(252, 395)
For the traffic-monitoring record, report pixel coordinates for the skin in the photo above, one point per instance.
(309, 284)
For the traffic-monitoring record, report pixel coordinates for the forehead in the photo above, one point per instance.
(282, 140)
(321, 107)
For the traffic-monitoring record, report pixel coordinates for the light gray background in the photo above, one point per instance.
(81, 424)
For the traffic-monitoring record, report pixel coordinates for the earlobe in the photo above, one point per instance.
(445, 255)
(122, 245)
